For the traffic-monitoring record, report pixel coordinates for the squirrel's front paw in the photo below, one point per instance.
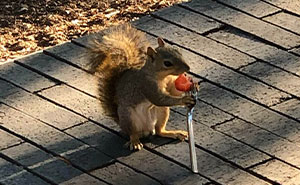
(188, 101)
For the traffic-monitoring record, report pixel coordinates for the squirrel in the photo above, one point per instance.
(136, 82)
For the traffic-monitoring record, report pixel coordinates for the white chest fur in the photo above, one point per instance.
(144, 116)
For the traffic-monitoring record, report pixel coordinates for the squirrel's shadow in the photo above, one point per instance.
(155, 141)
(113, 142)
(116, 145)
(151, 141)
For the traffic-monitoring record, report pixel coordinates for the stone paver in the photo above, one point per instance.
(79, 102)
(256, 8)
(191, 40)
(296, 51)
(24, 77)
(166, 172)
(210, 165)
(83, 179)
(84, 40)
(274, 76)
(218, 73)
(290, 107)
(262, 117)
(238, 19)
(87, 158)
(100, 138)
(262, 140)
(11, 174)
(23, 177)
(241, 41)
(42, 109)
(86, 132)
(188, 19)
(120, 174)
(228, 101)
(57, 171)
(219, 143)
(8, 140)
(7, 169)
(205, 134)
(37, 131)
(84, 105)
(27, 154)
(206, 114)
(9, 89)
(285, 20)
(290, 5)
(61, 71)
(254, 47)
(246, 124)
(114, 146)
(279, 172)
(72, 53)
(52, 168)
(278, 124)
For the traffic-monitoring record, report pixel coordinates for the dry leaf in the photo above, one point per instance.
(37, 24)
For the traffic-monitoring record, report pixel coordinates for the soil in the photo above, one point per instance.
(27, 26)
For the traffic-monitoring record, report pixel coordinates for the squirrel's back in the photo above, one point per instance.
(111, 53)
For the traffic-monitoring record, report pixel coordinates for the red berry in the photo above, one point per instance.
(183, 83)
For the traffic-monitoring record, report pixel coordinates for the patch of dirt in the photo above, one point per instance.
(31, 25)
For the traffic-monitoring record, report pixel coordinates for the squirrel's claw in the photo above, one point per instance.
(134, 145)
(188, 101)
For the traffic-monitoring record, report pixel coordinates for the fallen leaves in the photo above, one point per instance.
(30, 25)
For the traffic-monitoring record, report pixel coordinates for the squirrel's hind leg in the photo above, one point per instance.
(160, 127)
(130, 127)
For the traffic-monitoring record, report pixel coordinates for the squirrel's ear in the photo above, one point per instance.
(161, 42)
(151, 52)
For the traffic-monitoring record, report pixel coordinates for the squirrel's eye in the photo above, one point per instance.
(168, 63)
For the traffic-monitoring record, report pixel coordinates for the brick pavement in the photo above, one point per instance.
(247, 120)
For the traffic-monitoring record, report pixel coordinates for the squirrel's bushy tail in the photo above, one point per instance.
(111, 53)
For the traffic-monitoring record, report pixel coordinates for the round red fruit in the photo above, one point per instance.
(183, 83)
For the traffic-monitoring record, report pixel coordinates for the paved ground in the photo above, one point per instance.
(247, 121)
